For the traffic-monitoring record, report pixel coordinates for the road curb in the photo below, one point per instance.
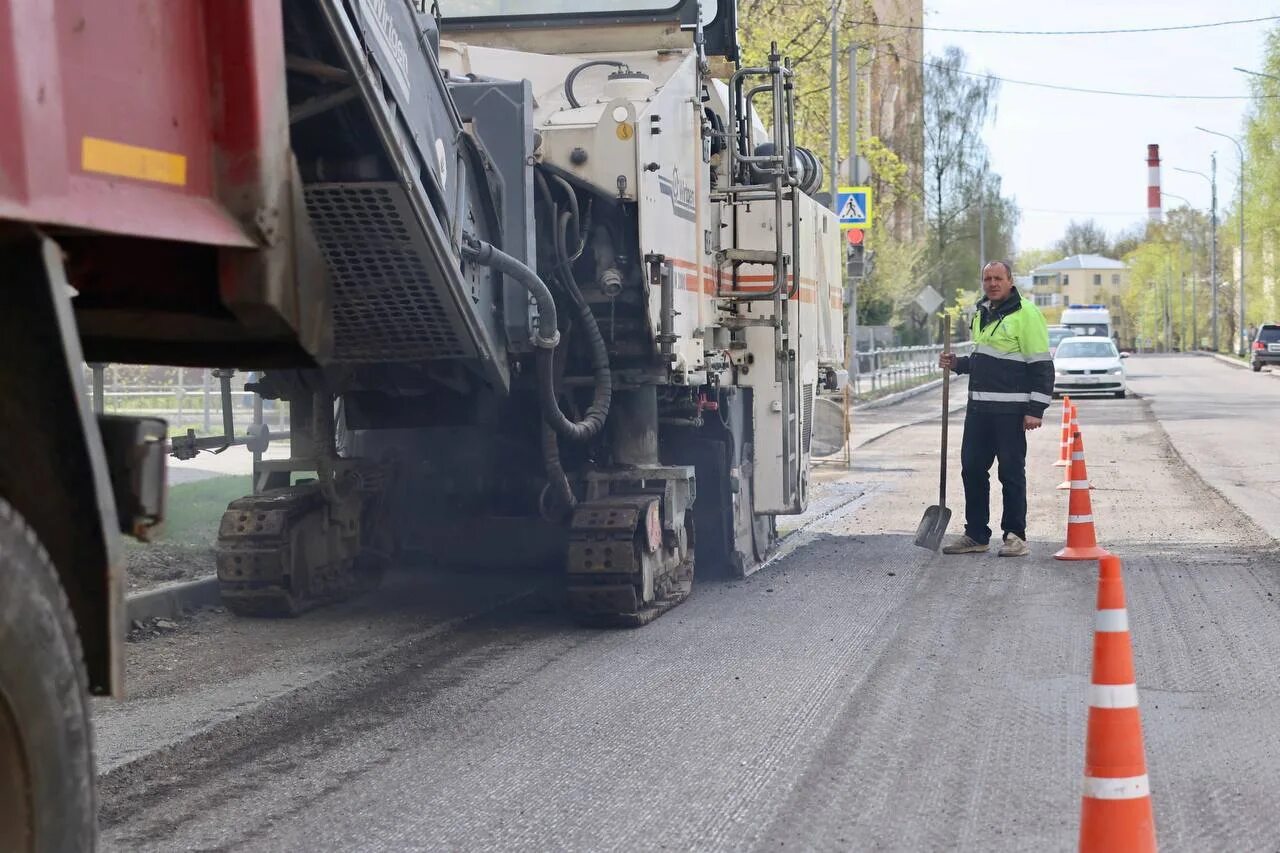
(1226, 359)
(170, 600)
(897, 396)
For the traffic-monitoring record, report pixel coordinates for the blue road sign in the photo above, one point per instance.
(853, 206)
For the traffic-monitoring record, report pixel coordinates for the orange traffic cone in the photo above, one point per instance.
(1115, 811)
(1073, 426)
(1082, 542)
(1064, 449)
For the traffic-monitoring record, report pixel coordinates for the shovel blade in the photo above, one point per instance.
(933, 526)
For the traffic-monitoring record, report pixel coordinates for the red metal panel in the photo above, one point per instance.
(136, 73)
(117, 119)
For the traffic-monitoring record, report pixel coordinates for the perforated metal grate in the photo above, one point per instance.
(807, 426)
(388, 302)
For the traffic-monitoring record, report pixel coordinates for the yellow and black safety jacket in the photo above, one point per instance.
(1010, 369)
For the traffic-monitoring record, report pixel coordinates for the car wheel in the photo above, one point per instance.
(1120, 395)
(1257, 367)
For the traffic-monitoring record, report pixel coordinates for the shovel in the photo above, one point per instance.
(936, 518)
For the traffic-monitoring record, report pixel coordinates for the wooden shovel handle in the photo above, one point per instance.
(946, 409)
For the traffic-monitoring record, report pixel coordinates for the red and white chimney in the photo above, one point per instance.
(1154, 213)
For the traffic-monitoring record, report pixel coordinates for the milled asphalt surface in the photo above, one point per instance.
(857, 693)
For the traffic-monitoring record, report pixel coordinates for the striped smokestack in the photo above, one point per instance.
(1153, 184)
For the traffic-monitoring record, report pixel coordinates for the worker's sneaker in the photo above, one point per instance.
(1014, 546)
(962, 544)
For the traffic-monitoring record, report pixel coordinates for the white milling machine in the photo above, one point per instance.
(635, 173)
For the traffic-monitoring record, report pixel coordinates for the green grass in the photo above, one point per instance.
(194, 509)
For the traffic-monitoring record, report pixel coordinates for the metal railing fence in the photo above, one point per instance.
(186, 397)
(885, 371)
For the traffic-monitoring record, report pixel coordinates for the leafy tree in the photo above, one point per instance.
(1083, 238)
(801, 29)
(1262, 205)
(1173, 257)
(1027, 260)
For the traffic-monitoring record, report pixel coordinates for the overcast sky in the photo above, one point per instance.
(1065, 155)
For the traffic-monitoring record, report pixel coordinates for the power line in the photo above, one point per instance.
(1084, 212)
(1079, 90)
(1069, 32)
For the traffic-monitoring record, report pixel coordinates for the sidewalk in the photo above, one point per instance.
(872, 422)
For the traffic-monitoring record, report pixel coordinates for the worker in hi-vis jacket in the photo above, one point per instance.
(1010, 386)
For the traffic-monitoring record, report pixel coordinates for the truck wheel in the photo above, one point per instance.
(46, 748)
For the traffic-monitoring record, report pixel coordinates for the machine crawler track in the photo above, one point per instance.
(280, 553)
(624, 569)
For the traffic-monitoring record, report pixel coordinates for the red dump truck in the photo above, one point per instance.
(531, 278)
(147, 204)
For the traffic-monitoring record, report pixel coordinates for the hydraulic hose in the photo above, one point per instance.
(487, 255)
(593, 421)
(573, 75)
(557, 480)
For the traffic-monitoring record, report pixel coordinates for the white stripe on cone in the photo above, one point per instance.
(1079, 484)
(1080, 519)
(1113, 695)
(1120, 788)
(1111, 620)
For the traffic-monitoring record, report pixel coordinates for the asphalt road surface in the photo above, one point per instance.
(1225, 421)
(856, 694)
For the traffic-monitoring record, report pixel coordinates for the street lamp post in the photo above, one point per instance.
(1212, 178)
(1182, 294)
(1239, 149)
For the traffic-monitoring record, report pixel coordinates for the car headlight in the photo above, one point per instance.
(1116, 371)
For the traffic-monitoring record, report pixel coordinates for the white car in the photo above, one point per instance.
(1088, 365)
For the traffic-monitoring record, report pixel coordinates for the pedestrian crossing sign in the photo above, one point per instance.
(853, 206)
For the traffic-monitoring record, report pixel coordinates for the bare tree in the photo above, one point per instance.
(1084, 238)
(959, 181)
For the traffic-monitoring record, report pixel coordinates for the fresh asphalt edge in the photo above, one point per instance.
(1190, 470)
(172, 599)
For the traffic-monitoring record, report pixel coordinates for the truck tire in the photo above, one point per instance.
(47, 799)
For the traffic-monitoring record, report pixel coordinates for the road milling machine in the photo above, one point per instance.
(581, 297)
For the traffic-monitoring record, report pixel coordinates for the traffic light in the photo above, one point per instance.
(857, 258)
(855, 265)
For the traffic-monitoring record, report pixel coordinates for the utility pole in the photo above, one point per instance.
(982, 226)
(1168, 300)
(1241, 338)
(1182, 325)
(1213, 252)
(853, 182)
(834, 171)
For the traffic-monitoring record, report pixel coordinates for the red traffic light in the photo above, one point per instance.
(855, 236)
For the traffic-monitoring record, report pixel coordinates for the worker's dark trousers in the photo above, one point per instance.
(989, 436)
